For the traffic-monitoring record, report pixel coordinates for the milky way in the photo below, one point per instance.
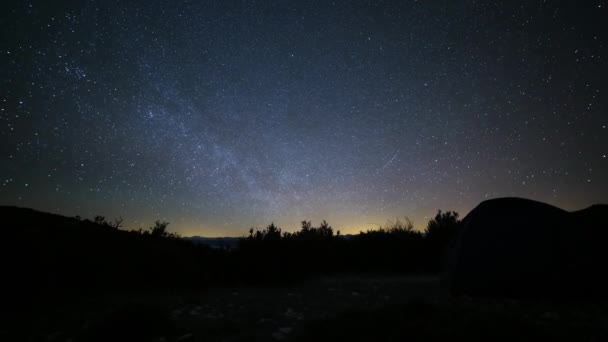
(218, 116)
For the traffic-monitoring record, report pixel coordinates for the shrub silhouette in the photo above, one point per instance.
(395, 247)
(443, 226)
(270, 233)
(310, 233)
(439, 231)
(156, 258)
(101, 220)
(160, 230)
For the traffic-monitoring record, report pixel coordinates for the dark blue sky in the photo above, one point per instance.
(218, 116)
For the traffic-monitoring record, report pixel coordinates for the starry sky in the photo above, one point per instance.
(221, 115)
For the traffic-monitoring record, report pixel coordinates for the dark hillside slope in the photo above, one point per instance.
(48, 251)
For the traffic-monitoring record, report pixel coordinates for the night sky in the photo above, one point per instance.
(217, 116)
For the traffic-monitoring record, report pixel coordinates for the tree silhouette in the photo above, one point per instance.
(159, 229)
(117, 223)
(325, 230)
(442, 227)
(398, 226)
(272, 232)
(101, 220)
(439, 232)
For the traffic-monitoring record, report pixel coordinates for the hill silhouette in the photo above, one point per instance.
(49, 251)
(58, 253)
(520, 248)
(507, 247)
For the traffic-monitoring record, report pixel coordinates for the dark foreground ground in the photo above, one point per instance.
(324, 309)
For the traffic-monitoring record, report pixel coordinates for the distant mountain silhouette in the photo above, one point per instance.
(520, 248)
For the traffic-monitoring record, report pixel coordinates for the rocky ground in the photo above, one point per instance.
(355, 308)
